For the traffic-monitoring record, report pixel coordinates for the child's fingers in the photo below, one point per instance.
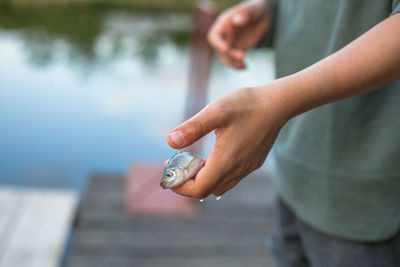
(217, 37)
(231, 61)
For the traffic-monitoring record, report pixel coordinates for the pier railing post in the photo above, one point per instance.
(143, 194)
(200, 61)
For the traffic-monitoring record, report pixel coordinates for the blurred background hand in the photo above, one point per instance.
(237, 30)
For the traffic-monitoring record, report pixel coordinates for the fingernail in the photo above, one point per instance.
(177, 138)
(237, 18)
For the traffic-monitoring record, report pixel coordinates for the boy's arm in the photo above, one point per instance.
(368, 63)
(247, 121)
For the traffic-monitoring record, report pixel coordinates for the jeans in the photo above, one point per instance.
(296, 244)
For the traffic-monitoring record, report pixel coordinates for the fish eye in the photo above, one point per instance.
(169, 174)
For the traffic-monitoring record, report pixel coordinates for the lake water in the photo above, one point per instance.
(70, 108)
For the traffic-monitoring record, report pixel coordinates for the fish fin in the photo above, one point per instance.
(176, 153)
(203, 163)
(190, 162)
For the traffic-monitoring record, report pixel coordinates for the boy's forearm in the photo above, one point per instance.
(366, 64)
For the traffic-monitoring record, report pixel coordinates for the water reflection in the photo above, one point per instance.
(70, 106)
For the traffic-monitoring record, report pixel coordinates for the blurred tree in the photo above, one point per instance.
(43, 24)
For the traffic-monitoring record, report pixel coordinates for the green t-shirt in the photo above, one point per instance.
(338, 166)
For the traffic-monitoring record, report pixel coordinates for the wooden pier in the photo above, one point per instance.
(34, 225)
(229, 232)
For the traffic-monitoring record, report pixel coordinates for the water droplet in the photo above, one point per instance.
(218, 197)
(202, 200)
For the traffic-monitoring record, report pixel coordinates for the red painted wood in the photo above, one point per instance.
(144, 195)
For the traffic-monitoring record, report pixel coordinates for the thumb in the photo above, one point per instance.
(195, 128)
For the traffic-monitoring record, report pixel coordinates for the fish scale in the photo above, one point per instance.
(181, 159)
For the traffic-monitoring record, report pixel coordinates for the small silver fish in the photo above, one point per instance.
(181, 167)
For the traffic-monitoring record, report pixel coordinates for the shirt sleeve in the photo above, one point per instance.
(395, 7)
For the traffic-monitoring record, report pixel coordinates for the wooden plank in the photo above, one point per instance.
(215, 251)
(173, 245)
(171, 239)
(102, 261)
(39, 231)
(8, 200)
(228, 232)
(219, 211)
(106, 183)
(162, 224)
(10, 210)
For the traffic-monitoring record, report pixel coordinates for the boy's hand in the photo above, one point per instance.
(246, 123)
(237, 30)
